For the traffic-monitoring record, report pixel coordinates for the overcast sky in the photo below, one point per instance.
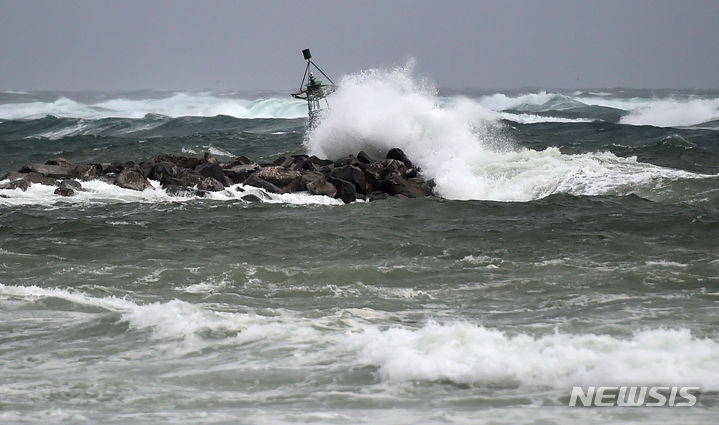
(172, 44)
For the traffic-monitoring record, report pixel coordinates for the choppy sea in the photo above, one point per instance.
(574, 240)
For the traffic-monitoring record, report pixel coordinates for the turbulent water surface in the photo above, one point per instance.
(572, 241)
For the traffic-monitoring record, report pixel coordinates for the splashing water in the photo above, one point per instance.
(461, 144)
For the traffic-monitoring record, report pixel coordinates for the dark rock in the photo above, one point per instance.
(395, 184)
(210, 184)
(55, 171)
(326, 170)
(185, 178)
(286, 180)
(374, 174)
(13, 175)
(17, 184)
(209, 159)
(348, 160)
(215, 171)
(111, 169)
(398, 154)
(320, 186)
(239, 189)
(107, 178)
(254, 180)
(320, 162)
(306, 164)
(64, 191)
(162, 171)
(180, 161)
(33, 177)
(251, 198)
(280, 161)
(87, 171)
(59, 161)
(239, 173)
(174, 190)
(427, 187)
(364, 158)
(353, 175)
(70, 184)
(146, 168)
(345, 190)
(243, 160)
(378, 195)
(132, 178)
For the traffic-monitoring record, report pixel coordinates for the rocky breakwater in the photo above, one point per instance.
(349, 178)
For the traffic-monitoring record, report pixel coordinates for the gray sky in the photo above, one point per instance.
(95, 44)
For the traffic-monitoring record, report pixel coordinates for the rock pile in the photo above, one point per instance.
(349, 178)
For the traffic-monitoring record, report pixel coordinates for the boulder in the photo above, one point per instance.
(242, 160)
(348, 160)
(33, 177)
(64, 191)
(320, 186)
(58, 161)
(378, 195)
(306, 164)
(395, 184)
(111, 169)
(185, 178)
(250, 198)
(70, 184)
(16, 184)
(320, 162)
(182, 191)
(146, 168)
(398, 154)
(13, 175)
(345, 190)
(132, 178)
(208, 158)
(256, 181)
(215, 171)
(364, 158)
(87, 171)
(353, 175)
(58, 171)
(286, 180)
(162, 171)
(210, 184)
(180, 161)
(240, 172)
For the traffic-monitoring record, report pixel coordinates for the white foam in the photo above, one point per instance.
(176, 105)
(96, 191)
(466, 353)
(459, 143)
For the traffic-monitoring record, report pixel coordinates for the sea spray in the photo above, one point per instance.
(461, 144)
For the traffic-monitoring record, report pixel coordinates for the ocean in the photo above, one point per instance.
(572, 241)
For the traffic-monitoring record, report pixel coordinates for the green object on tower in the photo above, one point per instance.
(306, 53)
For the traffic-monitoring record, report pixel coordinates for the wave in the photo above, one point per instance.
(96, 191)
(462, 145)
(176, 105)
(672, 111)
(457, 352)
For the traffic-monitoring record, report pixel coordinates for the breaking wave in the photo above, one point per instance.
(177, 105)
(462, 145)
(457, 352)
